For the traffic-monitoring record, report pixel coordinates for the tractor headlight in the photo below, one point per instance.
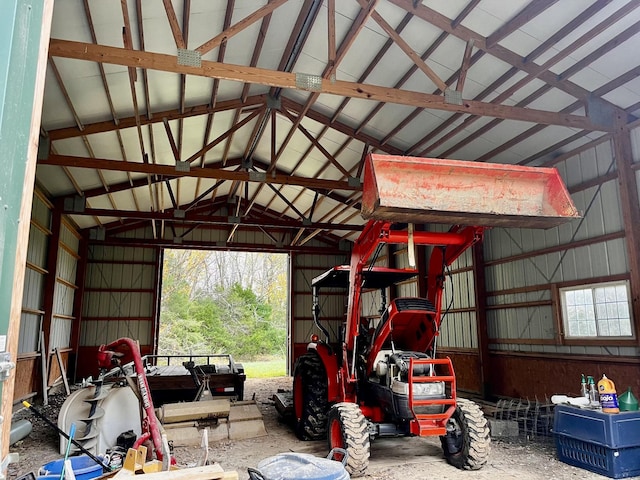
(428, 389)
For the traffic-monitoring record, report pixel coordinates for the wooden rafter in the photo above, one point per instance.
(192, 217)
(431, 16)
(406, 48)
(173, 23)
(240, 26)
(464, 68)
(566, 30)
(128, 122)
(85, 51)
(317, 144)
(169, 171)
(532, 10)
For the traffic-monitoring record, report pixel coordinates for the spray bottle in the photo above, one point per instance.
(593, 392)
(584, 392)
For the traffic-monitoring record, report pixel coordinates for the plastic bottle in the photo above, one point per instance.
(608, 396)
(593, 392)
(628, 402)
(584, 392)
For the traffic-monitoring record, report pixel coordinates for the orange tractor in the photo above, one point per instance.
(382, 377)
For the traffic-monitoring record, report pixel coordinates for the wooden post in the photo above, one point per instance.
(25, 28)
(81, 273)
(630, 209)
(479, 283)
(52, 269)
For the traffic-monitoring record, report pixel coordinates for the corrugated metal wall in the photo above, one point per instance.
(120, 296)
(33, 295)
(304, 268)
(65, 287)
(525, 269)
(520, 282)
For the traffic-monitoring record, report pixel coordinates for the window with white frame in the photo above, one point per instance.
(598, 310)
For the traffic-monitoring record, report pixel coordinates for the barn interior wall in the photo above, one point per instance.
(120, 300)
(524, 270)
(48, 299)
(304, 268)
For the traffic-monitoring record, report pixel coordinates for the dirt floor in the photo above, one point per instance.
(402, 459)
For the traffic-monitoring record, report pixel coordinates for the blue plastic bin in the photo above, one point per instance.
(84, 468)
(604, 443)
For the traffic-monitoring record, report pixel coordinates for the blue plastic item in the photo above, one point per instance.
(298, 466)
(83, 468)
(604, 443)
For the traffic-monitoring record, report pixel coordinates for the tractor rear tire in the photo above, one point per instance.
(468, 446)
(310, 397)
(348, 429)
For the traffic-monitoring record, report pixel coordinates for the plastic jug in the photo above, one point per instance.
(628, 402)
(608, 396)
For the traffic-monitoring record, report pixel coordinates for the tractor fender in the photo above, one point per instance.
(335, 390)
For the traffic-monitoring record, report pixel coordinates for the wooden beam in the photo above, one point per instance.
(464, 68)
(163, 62)
(170, 171)
(444, 23)
(532, 10)
(331, 33)
(479, 282)
(226, 134)
(316, 143)
(629, 203)
(240, 26)
(173, 23)
(128, 122)
(406, 48)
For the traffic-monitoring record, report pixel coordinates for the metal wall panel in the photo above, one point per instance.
(601, 210)
(63, 300)
(303, 269)
(96, 333)
(67, 266)
(29, 332)
(38, 245)
(119, 295)
(60, 332)
(69, 237)
(41, 212)
(33, 292)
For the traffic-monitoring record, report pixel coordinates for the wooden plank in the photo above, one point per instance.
(240, 73)
(180, 412)
(207, 472)
(238, 27)
(44, 370)
(62, 371)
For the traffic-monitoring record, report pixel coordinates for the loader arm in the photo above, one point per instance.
(448, 247)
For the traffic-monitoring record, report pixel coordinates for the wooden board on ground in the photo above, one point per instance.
(180, 412)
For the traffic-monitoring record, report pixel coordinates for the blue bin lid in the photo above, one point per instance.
(293, 466)
(83, 467)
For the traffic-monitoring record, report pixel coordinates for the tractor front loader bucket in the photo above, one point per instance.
(455, 192)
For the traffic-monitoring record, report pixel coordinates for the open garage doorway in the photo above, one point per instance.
(220, 302)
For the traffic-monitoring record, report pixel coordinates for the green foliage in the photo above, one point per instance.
(202, 316)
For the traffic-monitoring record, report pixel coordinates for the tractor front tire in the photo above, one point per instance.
(348, 429)
(310, 397)
(468, 443)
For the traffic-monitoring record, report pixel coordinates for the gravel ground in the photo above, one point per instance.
(401, 458)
